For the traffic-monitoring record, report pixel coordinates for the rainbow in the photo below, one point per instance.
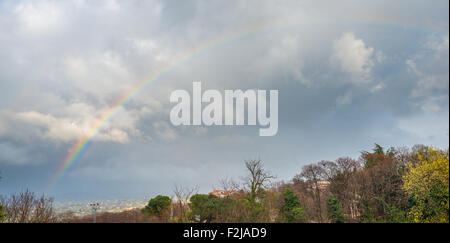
(83, 143)
(76, 151)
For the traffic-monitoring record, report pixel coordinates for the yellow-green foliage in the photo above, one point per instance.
(428, 183)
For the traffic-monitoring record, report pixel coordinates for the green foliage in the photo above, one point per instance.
(298, 215)
(214, 209)
(397, 215)
(290, 200)
(157, 205)
(292, 211)
(254, 211)
(377, 156)
(378, 149)
(427, 181)
(392, 186)
(2, 209)
(335, 213)
(367, 215)
(394, 215)
(2, 215)
(204, 206)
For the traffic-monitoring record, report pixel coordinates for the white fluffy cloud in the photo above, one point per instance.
(354, 58)
(78, 121)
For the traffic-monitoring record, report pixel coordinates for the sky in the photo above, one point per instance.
(349, 74)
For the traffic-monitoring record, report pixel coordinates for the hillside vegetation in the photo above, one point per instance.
(395, 185)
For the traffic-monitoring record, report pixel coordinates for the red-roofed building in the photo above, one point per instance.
(221, 193)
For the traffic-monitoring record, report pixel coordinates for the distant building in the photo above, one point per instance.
(221, 193)
(323, 184)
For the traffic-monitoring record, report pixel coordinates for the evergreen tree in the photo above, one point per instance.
(335, 213)
(292, 210)
(157, 206)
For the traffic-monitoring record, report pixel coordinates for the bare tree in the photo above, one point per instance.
(329, 169)
(26, 207)
(183, 194)
(313, 175)
(228, 184)
(339, 175)
(258, 178)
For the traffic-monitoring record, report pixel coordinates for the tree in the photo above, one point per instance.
(234, 209)
(292, 210)
(334, 207)
(290, 200)
(342, 183)
(258, 178)
(427, 182)
(229, 184)
(157, 206)
(314, 176)
(378, 154)
(379, 184)
(26, 207)
(2, 215)
(246, 210)
(183, 194)
(378, 149)
(203, 206)
(2, 208)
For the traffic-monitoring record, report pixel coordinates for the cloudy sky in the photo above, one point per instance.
(349, 74)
